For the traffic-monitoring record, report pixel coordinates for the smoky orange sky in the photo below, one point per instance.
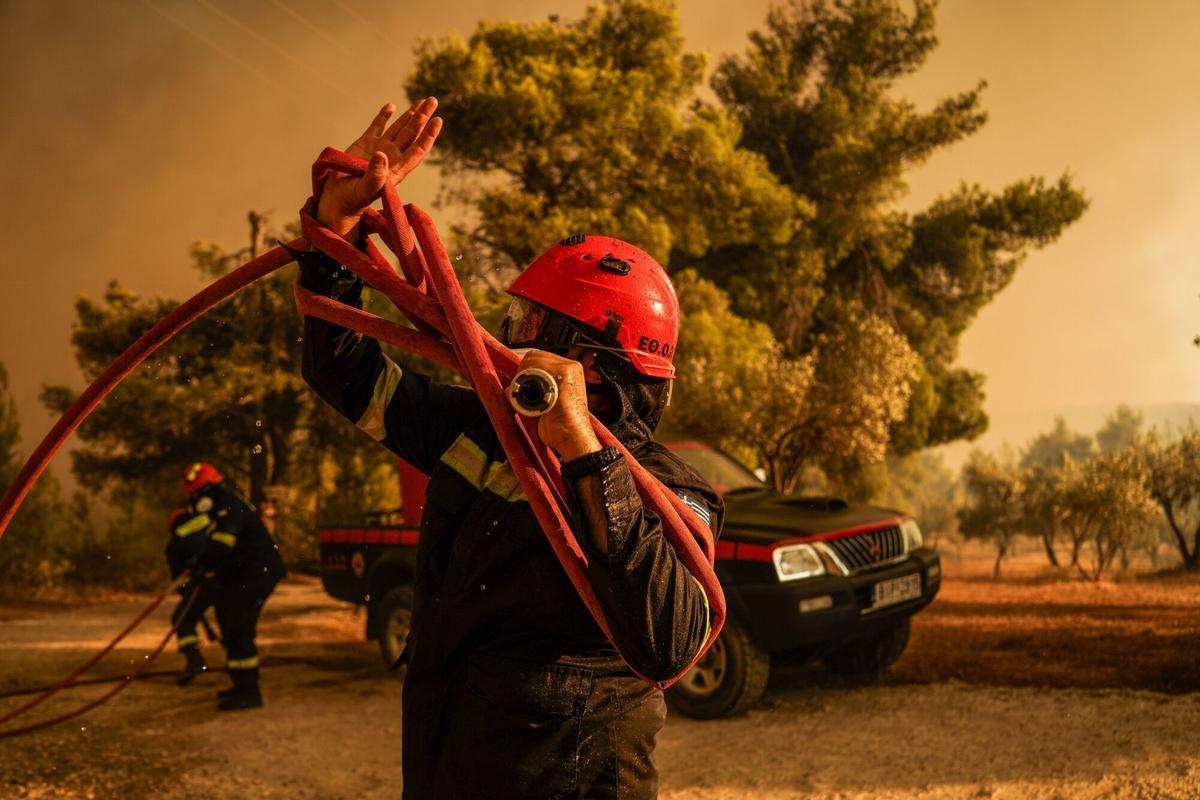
(133, 128)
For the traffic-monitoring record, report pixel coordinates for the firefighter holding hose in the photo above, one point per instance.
(511, 688)
(245, 561)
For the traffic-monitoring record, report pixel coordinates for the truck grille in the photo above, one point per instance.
(868, 549)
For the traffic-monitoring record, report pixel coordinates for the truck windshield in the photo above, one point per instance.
(722, 472)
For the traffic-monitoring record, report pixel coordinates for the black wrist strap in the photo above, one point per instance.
(592, 462)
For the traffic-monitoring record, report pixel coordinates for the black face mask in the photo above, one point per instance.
(635, 403)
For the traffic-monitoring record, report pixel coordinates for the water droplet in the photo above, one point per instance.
(256, 449)
(258, 423)
(458, 257)
(299, 338)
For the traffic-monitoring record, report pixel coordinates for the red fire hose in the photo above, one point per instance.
(124, 681)
(428, 294)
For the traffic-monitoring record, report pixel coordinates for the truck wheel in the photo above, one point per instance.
(866, 660)
(729, 678)
(395, 614)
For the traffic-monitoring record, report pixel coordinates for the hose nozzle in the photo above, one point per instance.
(532, 392)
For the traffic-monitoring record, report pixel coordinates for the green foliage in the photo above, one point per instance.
(33, 552)
(735, 387)
(814, 93)
(1052, 448)
(1100, 505)
(861, 387)
(1173, 481)
(738, 389)
(226, 389)
(1044, 511)
(53, 542)
(922, 485)
(993, 509)
(1121, 429)
(555, 128)
(1109, 503)
(783, 194)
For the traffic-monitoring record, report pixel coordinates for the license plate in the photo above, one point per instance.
(897, 590)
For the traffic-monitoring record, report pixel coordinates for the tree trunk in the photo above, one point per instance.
(1001, 551)
(1191, 560)
(1048, 543)
(281, 455)
(258, 468)
(774, 473)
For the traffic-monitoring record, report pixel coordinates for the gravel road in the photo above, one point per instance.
(331, 728)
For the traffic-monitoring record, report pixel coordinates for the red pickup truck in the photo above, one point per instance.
(804, 578)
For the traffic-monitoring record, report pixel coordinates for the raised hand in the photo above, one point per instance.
(393, 151)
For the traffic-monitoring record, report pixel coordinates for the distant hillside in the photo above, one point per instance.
(1017, 429)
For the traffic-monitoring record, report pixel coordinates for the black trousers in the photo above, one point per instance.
(206, 597)
(505, 728)
(238, 607)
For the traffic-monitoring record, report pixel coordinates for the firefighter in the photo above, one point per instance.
(511, 688)
(246, 563)
(188, 539)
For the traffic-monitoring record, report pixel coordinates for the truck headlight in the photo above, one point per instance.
(796, 561)
(912, 535)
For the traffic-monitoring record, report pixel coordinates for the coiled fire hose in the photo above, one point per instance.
(444, 330)
(122, 682)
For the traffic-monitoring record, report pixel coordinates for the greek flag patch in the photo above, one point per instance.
(695, 505)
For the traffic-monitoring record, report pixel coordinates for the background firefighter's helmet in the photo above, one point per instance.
(199, 475)
(610, 287)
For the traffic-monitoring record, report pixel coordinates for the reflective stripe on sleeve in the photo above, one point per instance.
(373, 422)
(468, 460)
(503, 481)
(187, 641)
(242, 663)
(695, 505)
(707, 610)
(196, 523)
(227, 539)
(465, 458)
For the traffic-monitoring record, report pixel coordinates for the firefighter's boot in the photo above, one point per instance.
(243, 694)
(195, 665)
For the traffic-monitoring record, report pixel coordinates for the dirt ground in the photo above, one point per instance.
(1026, 688)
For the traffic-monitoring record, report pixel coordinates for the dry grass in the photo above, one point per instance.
(1034, 628)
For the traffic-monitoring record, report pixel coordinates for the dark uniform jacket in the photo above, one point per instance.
(239, 550)
(512, 690)
(189, 538)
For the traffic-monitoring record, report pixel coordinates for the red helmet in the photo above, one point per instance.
(199, 475)
(614, 289)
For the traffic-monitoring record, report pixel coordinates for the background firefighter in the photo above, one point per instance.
(511, 689)
(188, 540)
(246, 563)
